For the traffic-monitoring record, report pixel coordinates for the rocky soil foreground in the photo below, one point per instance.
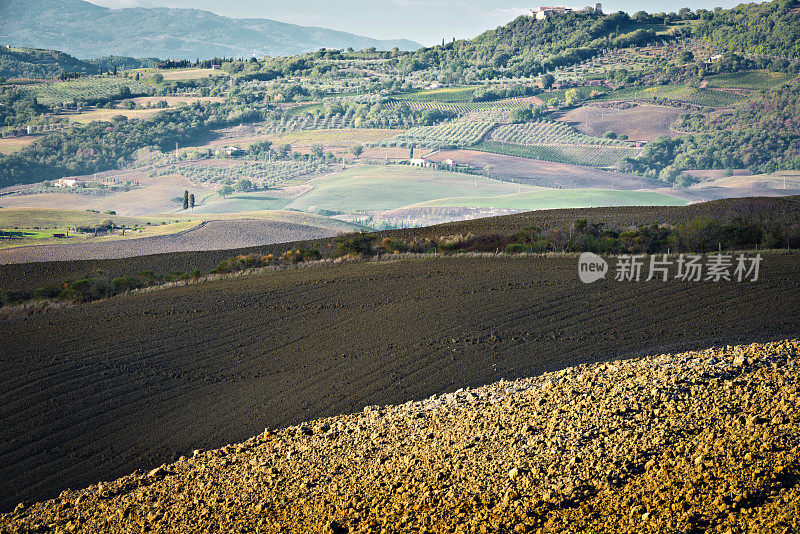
(704, 441)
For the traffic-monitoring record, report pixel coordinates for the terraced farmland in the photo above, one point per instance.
(87, 89)
(267, 174)
(546, 132)
(679, 93)
(453, 134)
(337, 136)
(462, 108)
(448, 94)
(595, 156)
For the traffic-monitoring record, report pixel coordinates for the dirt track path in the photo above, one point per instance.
(96, 391)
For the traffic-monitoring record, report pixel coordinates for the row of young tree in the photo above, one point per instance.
(742, 225)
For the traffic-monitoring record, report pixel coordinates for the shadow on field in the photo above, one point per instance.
(97, 391)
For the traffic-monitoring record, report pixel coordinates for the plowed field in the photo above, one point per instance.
(96, 391)
(29, 276)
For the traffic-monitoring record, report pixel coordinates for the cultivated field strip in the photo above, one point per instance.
(51, 94)
(547, 132)
(448, 134)
(130, 382)
(215, 235)
(29, 276)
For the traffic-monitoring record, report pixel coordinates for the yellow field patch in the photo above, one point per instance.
(10, 145)
(173, 101)
(108, 114)
(190, 74)
(45, 237)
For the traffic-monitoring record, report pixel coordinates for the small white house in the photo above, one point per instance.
(233, 151)
(68, 182)
(450, 162)
(419, 162)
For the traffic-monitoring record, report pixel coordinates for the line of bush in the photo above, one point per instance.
(701, 234)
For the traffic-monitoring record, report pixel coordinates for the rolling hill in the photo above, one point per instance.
(90, 31)
(38, 63)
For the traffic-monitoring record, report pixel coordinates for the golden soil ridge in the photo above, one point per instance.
(703, 441)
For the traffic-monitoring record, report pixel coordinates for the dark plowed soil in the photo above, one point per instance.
(30, 276)
(96, 391)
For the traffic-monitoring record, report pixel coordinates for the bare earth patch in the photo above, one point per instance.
(153, 195)
(544, 173)
(642, 122)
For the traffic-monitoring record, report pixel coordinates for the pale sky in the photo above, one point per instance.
(424, 21)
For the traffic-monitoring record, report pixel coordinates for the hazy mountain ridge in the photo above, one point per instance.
(86, 30)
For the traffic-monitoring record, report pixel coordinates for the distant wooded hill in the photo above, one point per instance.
(35, 63)
(86, 30)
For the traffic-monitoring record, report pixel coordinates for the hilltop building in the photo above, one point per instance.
(544, 11)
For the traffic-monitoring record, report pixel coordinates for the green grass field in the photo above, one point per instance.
(369, 188)
(30, 218)
(543, 199)
(240, 202)
(36, 226)
(753, 79)
(9, 145)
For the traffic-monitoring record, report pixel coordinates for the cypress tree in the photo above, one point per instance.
(186, 200)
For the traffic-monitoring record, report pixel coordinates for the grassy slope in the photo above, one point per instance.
(367, 187)
(240, 202)
(561, 198)
(9, 145)
(58, 218)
